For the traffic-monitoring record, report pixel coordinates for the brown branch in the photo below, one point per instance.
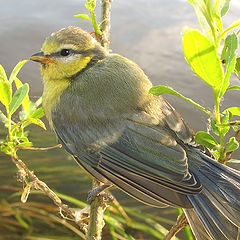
(180, 224)
(27, 175)
(40, 148)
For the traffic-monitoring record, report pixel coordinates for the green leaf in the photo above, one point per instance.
(90, 5)
(232, 145)
(25, 144)
(38, 113)
(230, 46)
(225, 7)
(3, 75)
(205, 139)
(16, 70)
(83, 16)
(159, 90)
(233, 88)
(237, 66)
(26, 102)
(224, 120)
(216, 154)
(18, 98)
(201, 54)
(234, 110)
(213, 125)
(5, 92)
(35, 121)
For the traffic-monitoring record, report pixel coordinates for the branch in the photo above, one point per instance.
(26, 175)
(98, 206)
(180, 224)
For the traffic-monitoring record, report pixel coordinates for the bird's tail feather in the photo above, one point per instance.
(218, 205)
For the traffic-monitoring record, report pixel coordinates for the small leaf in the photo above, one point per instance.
(159, 90)
(5, 92)
(3, 75)
(16, 70)
(234, 110)
(213, 125)
(83, 16)
(24, 144)
(232, 145)
(201, 54)
(18, 98)
(230, 46)
(35, 121)
(233, 88)
(37, 113)
(225, 7)
(237, 66)
(216, 154)
(205, 139)
(26, 101)
(224, 120)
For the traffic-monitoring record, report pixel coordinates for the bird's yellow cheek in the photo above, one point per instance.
(63, 69)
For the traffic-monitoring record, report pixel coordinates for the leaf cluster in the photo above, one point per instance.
(201, 51)
(30, 112)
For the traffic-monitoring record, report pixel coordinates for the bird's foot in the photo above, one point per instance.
(99, 190)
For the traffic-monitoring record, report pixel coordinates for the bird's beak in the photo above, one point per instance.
(40, 57)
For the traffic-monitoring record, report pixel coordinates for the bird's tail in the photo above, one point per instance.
(217, 207)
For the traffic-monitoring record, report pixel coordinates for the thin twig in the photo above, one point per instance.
(27, 175)
(40, 148)
(180, 224)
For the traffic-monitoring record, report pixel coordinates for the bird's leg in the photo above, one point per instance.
(96, 191)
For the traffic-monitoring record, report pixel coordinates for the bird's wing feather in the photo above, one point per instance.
(144, 159)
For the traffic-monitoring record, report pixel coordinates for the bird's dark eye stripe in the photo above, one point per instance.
(71, 51)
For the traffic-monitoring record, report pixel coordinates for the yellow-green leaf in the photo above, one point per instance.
(233, 110)
(205, 139)
(5, 92)
(35, 121)
(18, 98)
(16, 70)
(3, 75)
(26, 101)
(201, 54)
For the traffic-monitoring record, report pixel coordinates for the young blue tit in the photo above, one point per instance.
(101, 110)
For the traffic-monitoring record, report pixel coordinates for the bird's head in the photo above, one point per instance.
(67, 52)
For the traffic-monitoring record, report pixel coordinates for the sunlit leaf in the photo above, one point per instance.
(225, 7)
(234, 110)
(213, 125)
(37, 113)
(16, 70)
(35, 121)
(83, 16)
(233, 88)
(18, 98)
(232, 145)
(5, 92)
(159, 90)
(3, 75)
(237, 66)
(26, 101)
(25, 144)
(205, 139)
(202, 56)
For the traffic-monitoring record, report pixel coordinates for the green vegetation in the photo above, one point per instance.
(201, 51)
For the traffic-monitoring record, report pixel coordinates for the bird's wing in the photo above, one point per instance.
(144, 160)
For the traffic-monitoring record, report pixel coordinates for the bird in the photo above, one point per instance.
(101, 110)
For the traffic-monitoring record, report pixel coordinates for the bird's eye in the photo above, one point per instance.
(65, 52)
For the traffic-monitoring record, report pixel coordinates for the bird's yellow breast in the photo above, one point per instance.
(53, 90)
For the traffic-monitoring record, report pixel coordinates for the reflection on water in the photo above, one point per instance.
(148, 32)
